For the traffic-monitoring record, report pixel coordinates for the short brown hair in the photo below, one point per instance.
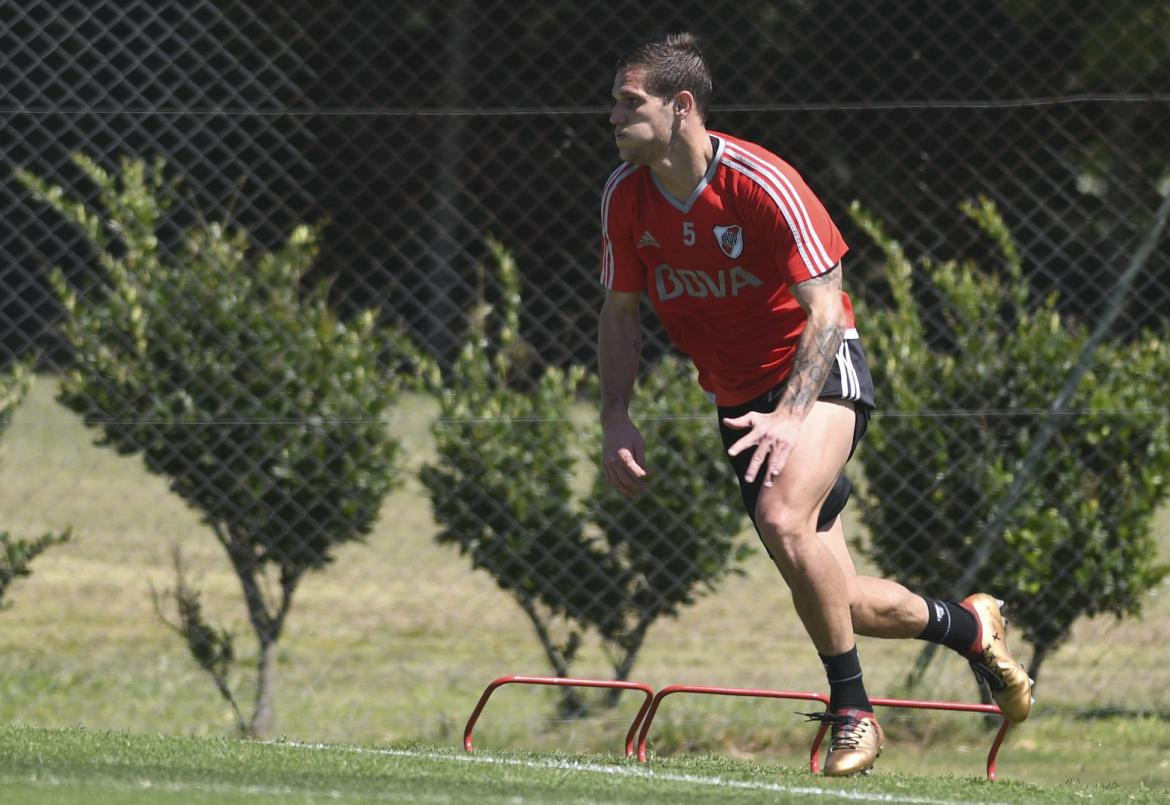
(673, 63)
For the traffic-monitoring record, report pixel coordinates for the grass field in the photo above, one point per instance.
(47, 767)
(395, 642)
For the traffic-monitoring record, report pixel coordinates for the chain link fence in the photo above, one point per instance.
(417, 136)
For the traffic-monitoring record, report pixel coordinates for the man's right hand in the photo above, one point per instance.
(623, 457)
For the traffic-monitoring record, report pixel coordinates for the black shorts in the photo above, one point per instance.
(849, 380)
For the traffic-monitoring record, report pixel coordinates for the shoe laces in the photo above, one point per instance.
(847, 730)
(987, 669)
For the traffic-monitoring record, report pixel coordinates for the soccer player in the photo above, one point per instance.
(743, 266)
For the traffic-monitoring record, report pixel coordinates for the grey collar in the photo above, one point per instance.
(685, 206)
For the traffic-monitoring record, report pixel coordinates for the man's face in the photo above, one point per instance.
(642, 123)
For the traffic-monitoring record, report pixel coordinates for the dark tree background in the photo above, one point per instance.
(415, 129)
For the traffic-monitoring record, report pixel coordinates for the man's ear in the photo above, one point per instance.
(684, 103)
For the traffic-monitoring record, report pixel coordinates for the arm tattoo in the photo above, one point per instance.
(814, 357)
(832, 278)
(816, 351)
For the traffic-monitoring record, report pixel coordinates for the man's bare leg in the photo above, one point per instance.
(786, 517)
(974, 627)
(878, 607)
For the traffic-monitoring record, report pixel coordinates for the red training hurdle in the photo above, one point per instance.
(561, 682)
(644, 718)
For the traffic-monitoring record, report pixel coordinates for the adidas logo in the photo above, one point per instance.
(647, 240)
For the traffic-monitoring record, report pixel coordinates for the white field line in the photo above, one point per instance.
(638, 771)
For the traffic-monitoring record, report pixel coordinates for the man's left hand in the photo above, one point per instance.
(773, 435)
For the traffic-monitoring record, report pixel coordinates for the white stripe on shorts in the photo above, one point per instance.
(850, 385)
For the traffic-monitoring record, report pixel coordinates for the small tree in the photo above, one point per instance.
(17, 554)
(1078, 541)
(677, 541)
(502, 490)
(503, 493)
(262, 408)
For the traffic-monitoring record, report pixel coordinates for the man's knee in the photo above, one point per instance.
(783, 531)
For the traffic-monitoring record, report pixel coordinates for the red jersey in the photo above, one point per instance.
(718, 266)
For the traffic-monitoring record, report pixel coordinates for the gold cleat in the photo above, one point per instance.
(857, 740)
(993, 663)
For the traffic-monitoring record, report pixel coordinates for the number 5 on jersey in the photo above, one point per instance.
(688, 233)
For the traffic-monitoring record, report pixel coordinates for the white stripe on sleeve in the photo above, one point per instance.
(608, 267)
(788, 201)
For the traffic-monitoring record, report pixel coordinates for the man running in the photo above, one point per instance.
(743, 266)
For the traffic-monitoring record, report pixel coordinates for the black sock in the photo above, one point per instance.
(950, 625)
(845, 685)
